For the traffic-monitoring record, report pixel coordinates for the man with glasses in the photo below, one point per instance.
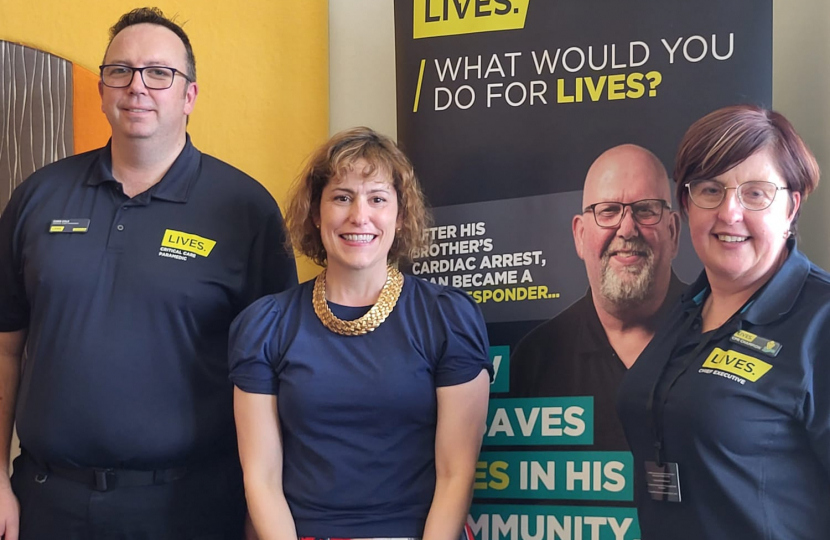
(627, 234)
(121, 270)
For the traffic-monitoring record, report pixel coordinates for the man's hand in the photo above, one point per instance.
(9, 512)
(11, 356)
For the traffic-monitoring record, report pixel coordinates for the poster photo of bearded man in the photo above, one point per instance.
(627, 234)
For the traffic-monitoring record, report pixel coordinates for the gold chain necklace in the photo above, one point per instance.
(372, 319)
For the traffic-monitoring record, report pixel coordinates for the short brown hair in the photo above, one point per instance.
(726, 137)
(153, 15)
(337, 157)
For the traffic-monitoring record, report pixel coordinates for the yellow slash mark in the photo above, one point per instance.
(418, 89)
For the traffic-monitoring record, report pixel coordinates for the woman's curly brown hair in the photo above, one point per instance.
(336, 158)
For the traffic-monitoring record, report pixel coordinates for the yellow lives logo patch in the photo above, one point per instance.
(733, 362)
(188, 242)
(433, 18)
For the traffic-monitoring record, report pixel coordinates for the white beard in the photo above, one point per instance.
(630, 285)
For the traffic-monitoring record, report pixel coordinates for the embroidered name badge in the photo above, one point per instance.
(79, 225)
(183, 246)
(756, 342)
(735, 363)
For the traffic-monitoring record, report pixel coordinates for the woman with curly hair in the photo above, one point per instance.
(361, 395)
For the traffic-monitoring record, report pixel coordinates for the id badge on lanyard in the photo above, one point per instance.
(663, 481)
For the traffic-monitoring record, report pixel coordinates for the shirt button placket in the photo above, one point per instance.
(117, 232)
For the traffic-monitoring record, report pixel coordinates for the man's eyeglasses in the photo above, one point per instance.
(645, 212)
(153, 77)
(755, 195)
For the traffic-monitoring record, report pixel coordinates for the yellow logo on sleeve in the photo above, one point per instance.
(183, 241)
(433, 18)
(733, 362)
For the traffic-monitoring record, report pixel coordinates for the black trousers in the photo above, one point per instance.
(207, 504)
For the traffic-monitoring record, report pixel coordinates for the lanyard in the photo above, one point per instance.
(656, 413)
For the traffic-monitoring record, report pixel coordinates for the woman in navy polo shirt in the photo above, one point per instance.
(361, 395)
(727, 410)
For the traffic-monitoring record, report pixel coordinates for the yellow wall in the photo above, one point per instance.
(262, 67)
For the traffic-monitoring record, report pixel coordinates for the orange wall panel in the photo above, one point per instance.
(91, 127)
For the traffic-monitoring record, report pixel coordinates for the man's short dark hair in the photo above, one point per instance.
(153, 15)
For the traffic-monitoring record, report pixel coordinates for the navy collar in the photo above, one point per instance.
(174, 186)
(775, 299)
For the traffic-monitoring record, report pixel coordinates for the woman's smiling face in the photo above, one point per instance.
(739, 245)
(358, 217)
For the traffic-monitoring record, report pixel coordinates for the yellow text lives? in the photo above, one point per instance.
(610, 87)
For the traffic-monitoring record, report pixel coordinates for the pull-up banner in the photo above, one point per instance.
(502, 107)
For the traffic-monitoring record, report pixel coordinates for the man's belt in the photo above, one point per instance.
(109, 479)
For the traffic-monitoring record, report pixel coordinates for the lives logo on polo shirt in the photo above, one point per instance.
(182, 246)
(735, 366)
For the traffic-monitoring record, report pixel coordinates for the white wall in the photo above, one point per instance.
(801, 91)
(362, 65)
(362, 79)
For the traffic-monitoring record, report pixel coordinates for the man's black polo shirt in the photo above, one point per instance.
(570, 355)
(128, 303)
